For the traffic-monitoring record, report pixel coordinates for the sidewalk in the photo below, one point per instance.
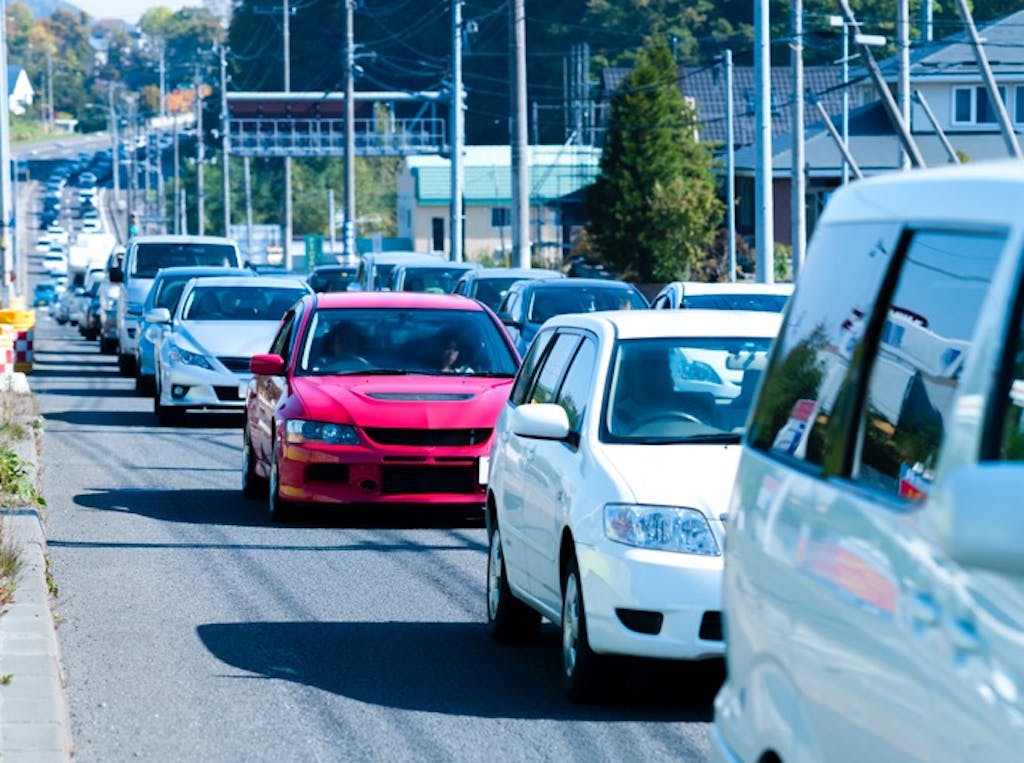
(34, 721)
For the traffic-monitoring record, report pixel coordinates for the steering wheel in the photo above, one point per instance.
(668, 416)
(346, 363)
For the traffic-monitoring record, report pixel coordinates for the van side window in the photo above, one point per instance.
(796, 415)
(573, 394)
(552, 368)
(925, 339)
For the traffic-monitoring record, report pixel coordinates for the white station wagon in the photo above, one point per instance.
(610, 477)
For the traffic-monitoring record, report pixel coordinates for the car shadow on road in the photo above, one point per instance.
(228, 507)
(456, 669)
(88, 391)
(102, 418)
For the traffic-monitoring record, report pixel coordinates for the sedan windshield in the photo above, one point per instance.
(332, 280)
(401, 340)
(239, 303)
(682, 389)
(435, 280)
(547, 303)
(491, 291)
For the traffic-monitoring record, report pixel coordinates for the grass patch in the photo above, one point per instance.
(51, 581)
(17, 484)
(10, 568)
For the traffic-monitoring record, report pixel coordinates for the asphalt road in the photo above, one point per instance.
(192, 629)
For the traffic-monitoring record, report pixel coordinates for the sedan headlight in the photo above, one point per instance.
(300, 430)
(664, 528)
(181, 355)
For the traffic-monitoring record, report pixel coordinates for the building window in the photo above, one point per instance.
(971, 105)
(501, 217)
(437, 234)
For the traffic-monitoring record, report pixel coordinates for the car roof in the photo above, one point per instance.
(573, 283)
(333, 267)
(987, 193)
(183, 239)
(262, 282)
(200, 270)
(637, 324)
(415, 300)
(388, 258)
(521, 273)
(693, 288)
(441, 265)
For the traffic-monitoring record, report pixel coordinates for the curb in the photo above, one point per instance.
(34, 721)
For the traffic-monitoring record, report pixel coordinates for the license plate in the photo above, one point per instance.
(483, 468)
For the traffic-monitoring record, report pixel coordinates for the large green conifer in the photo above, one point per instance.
(653, 208)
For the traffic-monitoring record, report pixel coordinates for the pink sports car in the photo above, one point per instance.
(376, 397)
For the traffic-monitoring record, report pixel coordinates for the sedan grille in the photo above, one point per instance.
(235, 364)
(397, 480)
(428, 437)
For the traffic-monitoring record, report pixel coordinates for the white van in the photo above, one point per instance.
(874, 569)
(375, 267)
(144, 257)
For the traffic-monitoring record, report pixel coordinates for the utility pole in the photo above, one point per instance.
(330, 221)
(183, 213)
(115, 148)
(225, 143)
(200, 158)
(458, 135)
(248, 206)
(175, 204)
(49, 90)
(927, 22)
(520, 158)
(349, 230)
(903, 86)
(286, 13)
(764, 224)
(163, 77)
(6, 206)
(799, 179)
(730, 167)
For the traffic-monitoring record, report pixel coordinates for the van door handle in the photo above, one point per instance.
(964, 635)
(923, 609)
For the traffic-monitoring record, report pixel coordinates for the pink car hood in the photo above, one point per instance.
(419, 402)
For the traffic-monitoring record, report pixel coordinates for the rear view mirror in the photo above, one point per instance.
(508, 320)
(116, 275)
(267, 365)
(978, 521)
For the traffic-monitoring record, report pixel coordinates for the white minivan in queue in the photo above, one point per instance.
(146, 255)
(874, 569)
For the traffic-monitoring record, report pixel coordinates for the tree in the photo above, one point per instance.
(653, 208)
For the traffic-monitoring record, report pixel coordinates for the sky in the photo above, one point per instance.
(129, 10)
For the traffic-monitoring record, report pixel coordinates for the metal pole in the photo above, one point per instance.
(798, 179)
(990, 81)
(248, 207)
(884, 94)
(288, 222)
(846, 97)
(730, 167)
(184, 212)
(926, 20)
(458, 138)
(49, 88)
(349, 230)
(950, 151)
(764, 234)
(225, 143)
(175, 204)
(200, 158)
(6, 207)
(520, 158)
(330, 222)
(115, 151)
(903, 86)
(534, 126)
(847, 156)
(163, 77)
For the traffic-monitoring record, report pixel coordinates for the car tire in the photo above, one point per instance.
(281, 509)
(509, 619)
(144, 384)
(582, 668)
(169, 415)
(253, 485)
(126, 364)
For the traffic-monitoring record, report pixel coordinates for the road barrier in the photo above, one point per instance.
(23, 322)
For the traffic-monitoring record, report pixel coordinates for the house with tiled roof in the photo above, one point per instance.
(556, 176)
(947, 76)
